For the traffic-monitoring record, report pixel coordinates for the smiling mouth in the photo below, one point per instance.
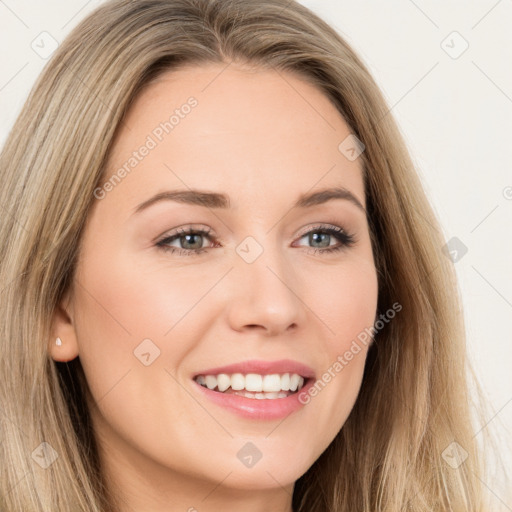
(253, 385)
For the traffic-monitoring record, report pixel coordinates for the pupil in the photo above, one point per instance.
(315, 236)
(189, 236)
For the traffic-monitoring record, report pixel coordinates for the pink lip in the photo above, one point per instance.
(262, 368)
(255, 409)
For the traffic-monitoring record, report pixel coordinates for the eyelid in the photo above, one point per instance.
(319, 226)
(185, 229)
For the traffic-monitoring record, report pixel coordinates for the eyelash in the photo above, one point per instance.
(346, 240)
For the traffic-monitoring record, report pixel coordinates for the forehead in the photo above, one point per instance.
(244, 130)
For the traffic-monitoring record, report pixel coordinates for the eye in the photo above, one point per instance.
(191, 240)
(321, 237)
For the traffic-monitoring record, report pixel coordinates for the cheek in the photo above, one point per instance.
(123, 313)
(120, 307)
(348, 308)
(133, 301)
(346, 302)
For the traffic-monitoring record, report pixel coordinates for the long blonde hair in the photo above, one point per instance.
(414, 401)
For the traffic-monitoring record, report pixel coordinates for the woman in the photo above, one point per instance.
(260, 374)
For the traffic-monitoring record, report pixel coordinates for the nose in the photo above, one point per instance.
(265, 295)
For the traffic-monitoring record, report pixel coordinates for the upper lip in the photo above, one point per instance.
(262, 367)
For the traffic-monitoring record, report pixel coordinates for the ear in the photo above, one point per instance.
(63, 327)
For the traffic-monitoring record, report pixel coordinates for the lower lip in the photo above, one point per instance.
(254, 408)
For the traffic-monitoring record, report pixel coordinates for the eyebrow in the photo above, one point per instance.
(218, 200)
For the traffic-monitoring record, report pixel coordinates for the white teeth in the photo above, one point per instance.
(272, 382)
(211, 381)
(285, 382)
(223, 382)
(259, 396)
(258, 386)
(237, 381)
(253, 382)
(294, 382)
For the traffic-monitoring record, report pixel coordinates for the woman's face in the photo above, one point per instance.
(153, 308)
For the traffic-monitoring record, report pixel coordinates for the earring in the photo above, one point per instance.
(58, 342)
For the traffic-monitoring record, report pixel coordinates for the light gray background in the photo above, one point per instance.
(455, 112)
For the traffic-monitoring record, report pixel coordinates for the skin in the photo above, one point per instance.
(263, 138)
